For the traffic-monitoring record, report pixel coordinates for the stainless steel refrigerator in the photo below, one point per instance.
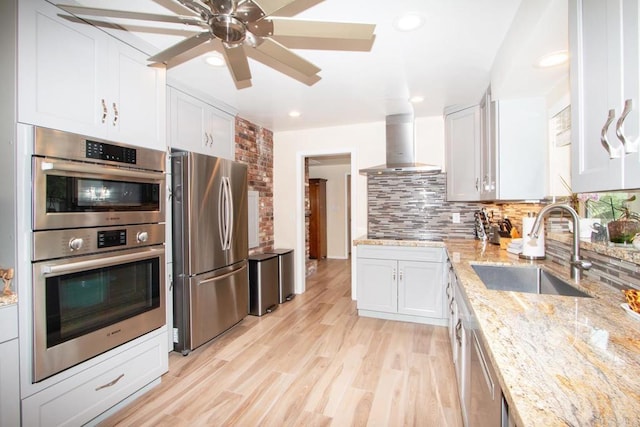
(210, 247)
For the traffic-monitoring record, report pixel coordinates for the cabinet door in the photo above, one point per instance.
(9, 384)
(377, 285)
(188, 123)
(631, 90)
(463, 154)
(136, 98)
(420, 289)
(488, 144)
(595, 43)
(222, 130)
(62, 69)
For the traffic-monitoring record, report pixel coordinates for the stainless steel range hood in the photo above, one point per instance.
(400, 148)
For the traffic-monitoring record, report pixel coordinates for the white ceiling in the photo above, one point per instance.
(448, 61)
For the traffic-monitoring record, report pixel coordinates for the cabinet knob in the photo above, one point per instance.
(614, 153)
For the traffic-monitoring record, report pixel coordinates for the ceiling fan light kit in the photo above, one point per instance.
(249, 28)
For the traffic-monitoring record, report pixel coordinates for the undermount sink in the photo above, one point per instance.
(527, 279)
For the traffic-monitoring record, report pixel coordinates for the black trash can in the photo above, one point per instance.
(263, 283)
(286, 274)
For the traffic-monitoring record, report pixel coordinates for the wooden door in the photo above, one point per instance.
(318, 218)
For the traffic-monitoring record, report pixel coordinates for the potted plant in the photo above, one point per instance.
(625, 225)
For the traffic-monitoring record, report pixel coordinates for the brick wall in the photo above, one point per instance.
(254, 147)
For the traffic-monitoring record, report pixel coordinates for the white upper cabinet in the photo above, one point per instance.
(462, 154)
(200, 127)
(605, 99)
(75, 77)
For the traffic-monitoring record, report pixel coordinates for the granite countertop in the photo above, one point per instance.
(560, 360)
(378, 241)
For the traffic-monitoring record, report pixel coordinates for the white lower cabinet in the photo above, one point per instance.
(9, 367)
(83, 397)
(402, 283)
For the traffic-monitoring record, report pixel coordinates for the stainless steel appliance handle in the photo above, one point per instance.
(222, 230)
(74, 267)
(56, 165)
(213, 279)
(229, 213)
(485, 369)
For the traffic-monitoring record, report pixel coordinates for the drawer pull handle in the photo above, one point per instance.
(104, 111)
(115, 114)
(110, 384)
(614, 153)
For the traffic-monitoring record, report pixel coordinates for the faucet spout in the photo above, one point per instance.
(577, 264)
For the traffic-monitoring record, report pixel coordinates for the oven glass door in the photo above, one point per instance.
(84, 306)
(74, 194)
(83, 302)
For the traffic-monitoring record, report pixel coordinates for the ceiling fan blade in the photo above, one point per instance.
(320, 29)
(109, 13)
(272, 6)
(349, 45)
(213, 45)
(279, 66)
(174, 7)
(296, 7)
(281, 54)
(237, 63)
(181, 47)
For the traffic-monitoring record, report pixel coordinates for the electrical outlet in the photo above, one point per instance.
(455, 217)
(175, 335)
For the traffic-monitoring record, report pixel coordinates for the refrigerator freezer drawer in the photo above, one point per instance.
(217, 303)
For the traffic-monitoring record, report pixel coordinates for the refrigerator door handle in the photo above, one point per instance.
(222, 229)
(229, 212)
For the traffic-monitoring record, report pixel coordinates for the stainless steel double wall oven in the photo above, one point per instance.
(98, 253)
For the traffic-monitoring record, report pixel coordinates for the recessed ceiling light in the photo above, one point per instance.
(416, 99)
(294, 113)
(409, 22)
(215, 60)
(552, 59)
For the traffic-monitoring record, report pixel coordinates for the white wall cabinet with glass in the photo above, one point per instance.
(605, 94)
(77, 78)
(200, 127)
(402, 283)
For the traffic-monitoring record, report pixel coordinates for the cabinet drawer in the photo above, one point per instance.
(404, 253)
(83, 397)
(9, 322)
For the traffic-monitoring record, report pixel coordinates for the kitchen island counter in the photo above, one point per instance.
(560, 360)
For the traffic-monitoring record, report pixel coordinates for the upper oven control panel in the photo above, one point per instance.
(84, 241)
(114, 153)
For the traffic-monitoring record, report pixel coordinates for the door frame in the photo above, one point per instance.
(300, 245)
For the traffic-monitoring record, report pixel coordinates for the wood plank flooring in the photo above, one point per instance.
(312, 362)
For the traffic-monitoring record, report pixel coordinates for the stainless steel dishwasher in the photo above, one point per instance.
(486, 394)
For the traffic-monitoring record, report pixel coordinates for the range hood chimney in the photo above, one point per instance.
(400, 148)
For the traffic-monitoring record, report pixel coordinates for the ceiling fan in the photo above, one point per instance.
(259, 29)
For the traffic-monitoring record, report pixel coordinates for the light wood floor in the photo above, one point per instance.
(312, 362)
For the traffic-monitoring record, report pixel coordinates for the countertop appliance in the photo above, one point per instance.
(210, 247)
(98, 255)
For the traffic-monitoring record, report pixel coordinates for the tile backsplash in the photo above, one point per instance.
(414, 205)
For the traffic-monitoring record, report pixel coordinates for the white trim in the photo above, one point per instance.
(300, 262)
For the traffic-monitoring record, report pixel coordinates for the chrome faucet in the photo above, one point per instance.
(577, 264)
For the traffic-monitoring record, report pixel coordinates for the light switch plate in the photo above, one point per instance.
(455, 217)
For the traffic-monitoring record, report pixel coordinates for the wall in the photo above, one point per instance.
(366, 145)
(336, 207)
(254, 147)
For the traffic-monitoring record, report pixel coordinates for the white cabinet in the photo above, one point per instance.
(84, 396)
(605, 78)
(497, 150)
(9, 367)
(200, 127)
(75, 77)
(401, 283)
(462, 152)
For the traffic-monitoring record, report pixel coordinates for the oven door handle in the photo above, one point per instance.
(93, 170)
(72, 267)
